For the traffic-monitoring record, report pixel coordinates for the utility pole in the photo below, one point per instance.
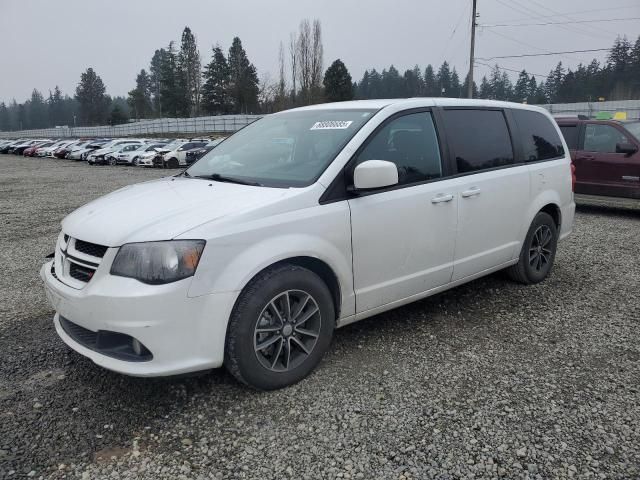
(471, 53)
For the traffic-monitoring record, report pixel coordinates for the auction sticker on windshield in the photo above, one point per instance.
(331, 125)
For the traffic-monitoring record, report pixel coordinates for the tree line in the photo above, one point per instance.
(177, 84)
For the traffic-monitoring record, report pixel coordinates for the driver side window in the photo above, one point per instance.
(411, 143)
(602, 138)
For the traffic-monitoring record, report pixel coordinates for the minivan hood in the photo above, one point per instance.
(163, 209)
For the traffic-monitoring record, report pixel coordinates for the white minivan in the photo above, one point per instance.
(305, 221)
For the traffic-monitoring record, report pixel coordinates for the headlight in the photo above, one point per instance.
(157, 263)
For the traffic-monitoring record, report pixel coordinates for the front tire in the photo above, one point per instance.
(280, 328)
(135, 162)
(538, 251)
(173, 163)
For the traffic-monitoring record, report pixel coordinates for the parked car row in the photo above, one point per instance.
(159, 153)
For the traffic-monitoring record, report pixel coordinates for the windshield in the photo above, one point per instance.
(634, 128)
(289, 149)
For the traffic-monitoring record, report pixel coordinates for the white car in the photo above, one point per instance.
(147, 160)
(98, 157)
(111, 158)
(132, 157)
(304, 221)
(178, 156)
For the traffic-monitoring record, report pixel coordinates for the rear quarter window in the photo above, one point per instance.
(480, 139)
(538, 135)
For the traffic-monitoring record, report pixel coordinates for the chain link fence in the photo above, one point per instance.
(591, 109)
(188, 127)
(225, 124)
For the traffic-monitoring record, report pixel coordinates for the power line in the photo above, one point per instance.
(515, 40)
(572, 13)
(530, 12)
(560, 23)
(511, 69)
(566, 17)
(545, 54)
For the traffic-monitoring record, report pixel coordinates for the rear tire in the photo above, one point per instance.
(280, 328)
(538, 251)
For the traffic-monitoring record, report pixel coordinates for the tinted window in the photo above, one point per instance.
(539, 138)
(411, 143)
(602, 138)
(480, 139)
(570, 134)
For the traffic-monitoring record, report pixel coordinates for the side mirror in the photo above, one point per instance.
(627, 148)
(375, 174)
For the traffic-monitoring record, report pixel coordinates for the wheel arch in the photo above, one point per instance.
(317, 266)
(554, 212)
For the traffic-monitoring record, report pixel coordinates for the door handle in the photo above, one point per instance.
(442, 198)
(472, 192)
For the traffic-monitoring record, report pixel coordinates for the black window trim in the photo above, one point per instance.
(516, 148)
(338, 189)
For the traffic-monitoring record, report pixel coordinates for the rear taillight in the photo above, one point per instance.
(573, 177)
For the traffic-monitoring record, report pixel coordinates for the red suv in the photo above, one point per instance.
(606, 155)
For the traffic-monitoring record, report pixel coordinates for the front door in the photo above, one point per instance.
(404, 237)
(600, 169)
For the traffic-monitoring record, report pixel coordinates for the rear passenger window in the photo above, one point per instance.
(570, 134)
(540, 139)
(411, 143)
(480, 139)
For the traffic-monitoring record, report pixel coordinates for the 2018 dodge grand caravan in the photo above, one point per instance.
(305, 221)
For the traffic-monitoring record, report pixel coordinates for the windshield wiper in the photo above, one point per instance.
(223, 178)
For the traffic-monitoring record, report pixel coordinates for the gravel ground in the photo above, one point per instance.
(490, 380)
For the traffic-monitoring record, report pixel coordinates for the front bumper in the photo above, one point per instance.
(184, 334)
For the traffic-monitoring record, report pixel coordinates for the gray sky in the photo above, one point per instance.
(50, 42)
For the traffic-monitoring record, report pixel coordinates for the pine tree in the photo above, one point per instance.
(157, 61)
(392, 84)
(5, 120)
(337, 83)
(37, 112)
(171, 96)
(140, 97)
(456, 88)
(430, 84)
(215, 90)
(465, 88)
(243, 85)
(522, 88)
(363, 88)
(189, 73)
(90, 93)
(117, 116)
(485, 88)
(375, 84)
(56, 108)
(443, 80)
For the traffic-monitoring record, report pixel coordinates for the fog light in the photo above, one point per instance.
(137, 347)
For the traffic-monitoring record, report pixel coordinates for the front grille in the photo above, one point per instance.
(92, 249)
(81, 273)
(76, 261)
